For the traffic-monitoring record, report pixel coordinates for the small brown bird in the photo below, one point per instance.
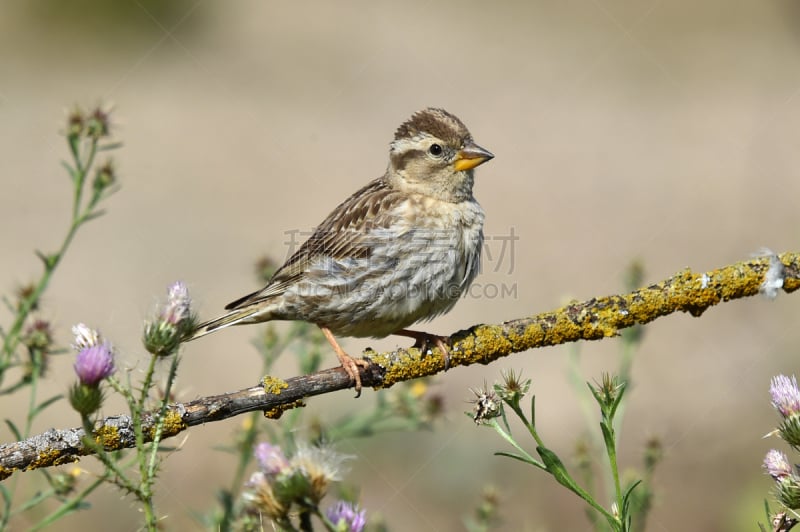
(400, 250)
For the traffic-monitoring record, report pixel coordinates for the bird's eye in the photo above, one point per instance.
(435, 150)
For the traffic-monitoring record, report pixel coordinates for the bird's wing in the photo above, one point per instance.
(344, 234)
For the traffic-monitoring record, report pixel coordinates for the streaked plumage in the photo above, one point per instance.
(400, 250)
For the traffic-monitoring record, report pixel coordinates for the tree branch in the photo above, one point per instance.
(594, 319)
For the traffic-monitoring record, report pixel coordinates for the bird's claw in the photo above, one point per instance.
(423, 342)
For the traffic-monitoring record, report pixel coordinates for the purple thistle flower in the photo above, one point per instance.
(785, 395)
(178, 304)
(347, 514)
(777, 465)
(271, 459)
(94, 363)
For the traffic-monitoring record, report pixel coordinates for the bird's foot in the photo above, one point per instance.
(350, 364)
(424, 341)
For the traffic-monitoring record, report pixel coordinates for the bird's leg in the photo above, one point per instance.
(349, 363)
(423, 340)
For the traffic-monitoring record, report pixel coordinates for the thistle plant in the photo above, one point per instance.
(88, 135)
(27, 341)
(95, 363)
(785, 396)
(630, 498)
(592, 445)
(288, 491)
(491, 409)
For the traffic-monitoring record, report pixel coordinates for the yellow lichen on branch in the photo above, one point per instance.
(596, 318)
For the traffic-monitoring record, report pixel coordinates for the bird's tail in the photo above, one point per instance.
(248, 314)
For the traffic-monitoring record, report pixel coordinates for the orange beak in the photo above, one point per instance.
(470, 156)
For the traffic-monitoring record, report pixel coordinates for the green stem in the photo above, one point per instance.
(159, 426)
(612, 460)
(588, 409)
(37, 499)
(70, 505)
(571, 484)
(145, 490)
(102, 455)
(531, 460)
(82, 170)
(122, 390)
(528, 425)
(625, 365)
(35, 372)
(11, 339)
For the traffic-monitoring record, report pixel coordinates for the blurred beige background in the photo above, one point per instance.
(663, 131)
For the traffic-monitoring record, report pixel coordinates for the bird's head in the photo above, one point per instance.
(433, 154)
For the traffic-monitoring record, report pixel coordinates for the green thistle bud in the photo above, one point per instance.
(24, 293)
(105, 176)
(76, 122)
(789, 492)
(161, 338)
(513, 388)
(789, 429)
(98, 124)
(38, 336)
(173, 324)
(609, 389)
(85, 399)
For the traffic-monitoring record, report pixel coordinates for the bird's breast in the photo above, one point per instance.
(417, 268)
